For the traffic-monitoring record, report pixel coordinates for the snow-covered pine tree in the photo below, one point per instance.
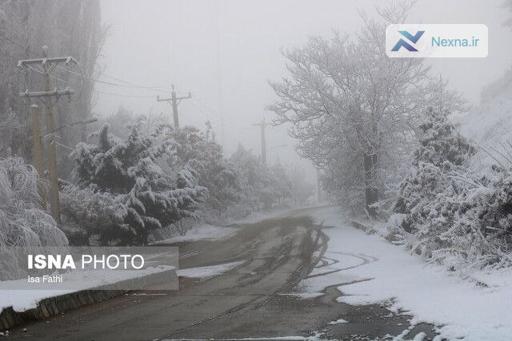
(442, 149)
(440, 143)
(435, 198)
(129, 175)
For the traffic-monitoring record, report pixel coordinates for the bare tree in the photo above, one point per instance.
(353, 109)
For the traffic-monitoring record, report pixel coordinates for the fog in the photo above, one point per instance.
(403, 232)
(226, 51)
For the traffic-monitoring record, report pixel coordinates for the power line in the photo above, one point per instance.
(104, 82)
(122, 95)
(198, 103)
(134, 84)
(127, 85)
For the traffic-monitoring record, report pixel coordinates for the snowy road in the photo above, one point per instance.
(270, 279)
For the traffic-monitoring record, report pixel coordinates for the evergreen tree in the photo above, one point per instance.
(437, 200)
(440, 144)
(442, 149)
(214, 171)
(129, 173)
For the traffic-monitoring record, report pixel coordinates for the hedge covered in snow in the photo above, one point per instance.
(446, 212)
(126, 188)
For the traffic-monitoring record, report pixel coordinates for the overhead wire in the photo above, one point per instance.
(202, 107)
(127, 85)
(123, 95)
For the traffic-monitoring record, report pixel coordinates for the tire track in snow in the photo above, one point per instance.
(363, 258)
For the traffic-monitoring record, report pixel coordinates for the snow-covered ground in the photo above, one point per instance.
(372, 270)
(24, 299)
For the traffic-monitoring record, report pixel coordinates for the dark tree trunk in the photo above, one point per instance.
(371, 191)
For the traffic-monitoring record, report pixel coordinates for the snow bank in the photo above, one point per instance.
(22, 300)
(387, 272)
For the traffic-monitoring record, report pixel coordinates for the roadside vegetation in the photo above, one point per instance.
(382, 132)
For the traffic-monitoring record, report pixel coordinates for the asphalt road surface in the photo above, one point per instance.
(248, 301)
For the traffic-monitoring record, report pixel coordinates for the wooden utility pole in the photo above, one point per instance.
(262, 126)
(318, 186)
(174, 101)
(50, 95)
(37, 149)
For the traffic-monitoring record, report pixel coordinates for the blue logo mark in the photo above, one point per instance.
(411, 38)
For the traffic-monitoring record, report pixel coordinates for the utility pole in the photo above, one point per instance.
(210, 134)
(50, 96)
(318, 186)
(37, 148)
(262, 126)
(174, 101)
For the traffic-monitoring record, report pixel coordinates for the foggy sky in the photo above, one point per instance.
(226, 51)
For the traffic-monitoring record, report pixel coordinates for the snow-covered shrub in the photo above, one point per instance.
(23, 222)
(442, 203)
(492, 210)
(213, 171)
(89, 214)
(129, 187)
(467, 224)
(441, 150)
(261, 187)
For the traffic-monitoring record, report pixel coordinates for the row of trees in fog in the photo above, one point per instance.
(125, 180)
(150, 180)
(154, 177)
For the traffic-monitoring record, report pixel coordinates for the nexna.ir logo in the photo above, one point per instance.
(407, 44)
(437, 41)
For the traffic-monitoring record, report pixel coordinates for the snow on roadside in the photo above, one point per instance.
(304, 295)
(428, 292)
(338, 321)
(201, 232)
(25, 299)
(208, 271)
(22, 300)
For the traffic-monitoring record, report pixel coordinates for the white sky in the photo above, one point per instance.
(226, 51)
